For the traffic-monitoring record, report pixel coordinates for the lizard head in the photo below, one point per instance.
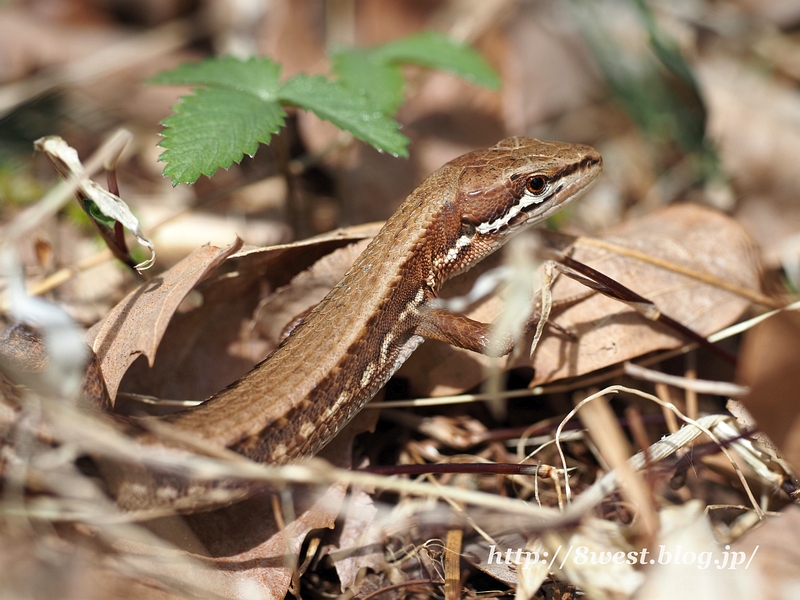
(500, 191)
(520, 182)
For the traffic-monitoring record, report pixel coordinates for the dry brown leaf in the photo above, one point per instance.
(774, 552)
(236, 552)
(491, 558)
(305, 291)
(136, 324)
(361, 541)
(209, 346)
(608, 332)
(771, 369)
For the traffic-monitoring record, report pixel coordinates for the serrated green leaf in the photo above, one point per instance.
(214, 128)
(259, 76)
(345, 109)
(379, 81)
(239, 108)
(437, 51)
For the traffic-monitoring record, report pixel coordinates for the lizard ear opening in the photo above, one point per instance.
(467, 229)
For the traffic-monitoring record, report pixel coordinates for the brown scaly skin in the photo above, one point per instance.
(292, 404)
(334, 362)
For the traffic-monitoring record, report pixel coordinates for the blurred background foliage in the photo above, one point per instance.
(694, 100)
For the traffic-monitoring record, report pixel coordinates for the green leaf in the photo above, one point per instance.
(437, 51)
(214, 128)
(239, 105)
(345, 109)
(97, 214)
(258, 76)
(359, 71)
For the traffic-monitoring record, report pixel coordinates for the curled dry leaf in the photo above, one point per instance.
(93, 197)
(211, 345)
(136, 324)
(608, 332)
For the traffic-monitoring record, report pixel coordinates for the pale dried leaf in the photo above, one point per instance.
(687, 542)
(532, 573)
(600, 578)
(65, 160)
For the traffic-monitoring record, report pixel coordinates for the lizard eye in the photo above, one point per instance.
(536, 185)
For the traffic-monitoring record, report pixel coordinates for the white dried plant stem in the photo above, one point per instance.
(657, 451)
(548, 275)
